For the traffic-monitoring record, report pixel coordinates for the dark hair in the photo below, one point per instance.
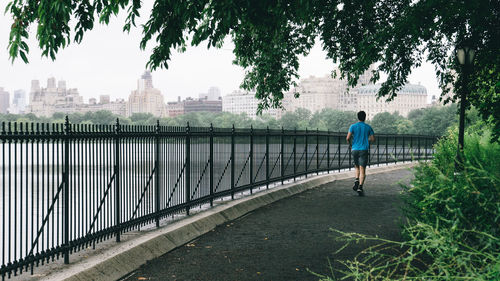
(361, 116)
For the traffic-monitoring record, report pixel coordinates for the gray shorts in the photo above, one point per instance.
(360, 157)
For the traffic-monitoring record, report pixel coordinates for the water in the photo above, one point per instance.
(32, 176)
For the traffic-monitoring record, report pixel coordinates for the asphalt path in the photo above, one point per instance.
(289, 238)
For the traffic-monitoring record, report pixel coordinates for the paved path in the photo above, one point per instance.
(282, 240)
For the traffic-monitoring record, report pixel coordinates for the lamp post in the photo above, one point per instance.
(465, 57)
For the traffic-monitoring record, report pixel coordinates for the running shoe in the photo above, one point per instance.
(356, 185)
(360, 191)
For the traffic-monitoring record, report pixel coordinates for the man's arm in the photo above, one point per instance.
(371, 138)
(348, 138)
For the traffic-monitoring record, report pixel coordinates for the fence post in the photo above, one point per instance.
(425, 145)
(267, 157)
(232, 162)
(339, 138)
(350, 156)
(67, 129)
(404, 155)
(211, 157)
(418, 144)
(378, 154)
(328, 150)
(157, 173)
(295, 154)
(306, 152)
(251, 159)
(4, 141)
(386, 150)
(317, 151)
(282, 155)
(395, 149)
(117, 180)
(411, 148)
(188, 168)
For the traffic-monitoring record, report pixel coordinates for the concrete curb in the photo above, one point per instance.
(125, 257)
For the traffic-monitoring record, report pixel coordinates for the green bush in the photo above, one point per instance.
(430, 252)
(453, 219)
(468, 200)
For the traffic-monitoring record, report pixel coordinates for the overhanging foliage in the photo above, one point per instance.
(269, 36)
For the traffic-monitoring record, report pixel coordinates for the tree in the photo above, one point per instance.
(386, 123)
(58, 115)
(289, 120)
(416, 113)
(299, 119)
(317, 122)
(269, 36)
(32, 117)
(404, 126)
(266, 120)
(486, 96)
(141, 118)
(335, 120)
(75, 118)
(435, 120)
(102, 117)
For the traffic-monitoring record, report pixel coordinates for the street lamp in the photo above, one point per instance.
(465, 57)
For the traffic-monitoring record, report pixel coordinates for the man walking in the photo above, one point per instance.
(361, 134)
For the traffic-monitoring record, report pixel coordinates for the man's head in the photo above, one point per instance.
(362, 116)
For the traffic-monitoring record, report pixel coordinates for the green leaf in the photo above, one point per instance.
(23, 56)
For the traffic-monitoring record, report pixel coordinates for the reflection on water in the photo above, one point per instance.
(33, 194)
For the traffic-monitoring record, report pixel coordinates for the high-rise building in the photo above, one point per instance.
(118, 107)
(61, 85)
(175, 108)
(4, 101)
(440, 99)
(35, 86)
(348, 97)
(104, 99)
(213, 94)
(146, 99)
(202, 105)
(317, 93)
(51, 83)
(328, 92)
(245, 102)
(18, 102)
(410, 97)
(47, 101)
(146, 81)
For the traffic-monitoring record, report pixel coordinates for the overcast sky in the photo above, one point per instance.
(109, 61)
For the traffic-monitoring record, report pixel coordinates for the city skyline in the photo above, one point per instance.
(108, 62)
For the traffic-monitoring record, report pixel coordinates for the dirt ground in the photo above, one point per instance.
(284, 240)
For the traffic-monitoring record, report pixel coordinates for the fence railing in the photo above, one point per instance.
(69, 186)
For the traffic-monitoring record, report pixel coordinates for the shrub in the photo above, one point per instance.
(453, 219)
(430, 252)
(468, 200)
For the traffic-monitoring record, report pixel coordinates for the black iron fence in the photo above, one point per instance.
(69, 186)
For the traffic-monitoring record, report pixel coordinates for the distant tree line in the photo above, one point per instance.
(427, 121)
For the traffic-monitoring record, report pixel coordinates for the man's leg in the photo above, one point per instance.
(363, 160)
(356, 180)
(355, 156)
(361, 175)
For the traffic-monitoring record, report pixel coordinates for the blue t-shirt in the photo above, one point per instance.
(360, 132)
